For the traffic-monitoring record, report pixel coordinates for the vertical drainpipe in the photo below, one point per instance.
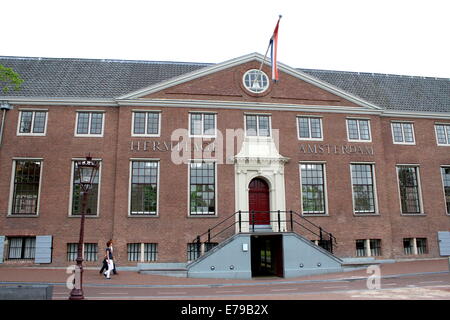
(3, 107)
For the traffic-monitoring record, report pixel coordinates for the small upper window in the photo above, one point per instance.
(256, 81)
(146, 124)
(358, 130)
(443, 134)
(202, 124)
(257, 125)
(403, 133)
(32, 123)
(89, 124)
(309, 128)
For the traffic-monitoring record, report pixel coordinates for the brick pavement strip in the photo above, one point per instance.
(430, 289)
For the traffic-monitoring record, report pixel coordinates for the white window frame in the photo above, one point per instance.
(147, 215)
(250, 88)
(200, 215)
(11, 192)
(257, 115)
(146, 123)
(443, 187)
(72, 175)
(446, 134)
(325, 186)
(203, 134)
(402, 123)
(32, 123)
(359, 130)
(309, 124)
(419, 185)
(90, 112)
(375, 191)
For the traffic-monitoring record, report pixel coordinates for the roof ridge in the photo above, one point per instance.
(372, 74)
(106, 60)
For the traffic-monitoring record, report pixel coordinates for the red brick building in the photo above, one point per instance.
(183, 146)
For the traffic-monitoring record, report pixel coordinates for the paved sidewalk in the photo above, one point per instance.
(58, 276)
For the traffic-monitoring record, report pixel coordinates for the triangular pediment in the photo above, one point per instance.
(224, 82)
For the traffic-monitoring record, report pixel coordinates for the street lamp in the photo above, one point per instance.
(86, 171)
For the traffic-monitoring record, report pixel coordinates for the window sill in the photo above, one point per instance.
(86, 216)
(315, 214)
(368, 214)
(88, 136)
(413, 214)
(138, 135)
(22, 216)
(404, 143)
(31, 134)
(143, 216)
(360, 141)
(196, 216)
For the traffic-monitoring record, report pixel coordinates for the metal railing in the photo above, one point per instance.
(249, 221)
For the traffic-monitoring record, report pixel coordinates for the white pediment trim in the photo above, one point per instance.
(241, 60)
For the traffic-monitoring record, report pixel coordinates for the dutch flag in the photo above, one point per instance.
(273, 52)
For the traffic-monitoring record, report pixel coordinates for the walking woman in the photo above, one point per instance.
(109, 260)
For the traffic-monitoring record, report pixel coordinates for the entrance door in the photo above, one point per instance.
(258, 196)
(267, 255)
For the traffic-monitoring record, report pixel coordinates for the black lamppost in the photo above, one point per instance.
(86, 171)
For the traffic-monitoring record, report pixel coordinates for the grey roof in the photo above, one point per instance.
(97, 79)
(89, 78)
(392, 92)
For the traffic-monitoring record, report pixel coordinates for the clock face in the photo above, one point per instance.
(256, 81)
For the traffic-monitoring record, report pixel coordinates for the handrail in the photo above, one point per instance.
(308, 225)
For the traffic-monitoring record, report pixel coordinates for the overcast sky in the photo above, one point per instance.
(382, 36)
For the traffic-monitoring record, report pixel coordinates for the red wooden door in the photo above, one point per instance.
(259, 201)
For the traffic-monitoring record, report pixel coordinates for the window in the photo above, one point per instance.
(375, 247)
(202, 124)
(89, 124)
(443, 134)
(256, 81)
(92, 204)
(149, 251)
(144, 188)
(134, 251)
(202, 179)
(309, 128)
(313, 188)
(194, 249)
(363, 188)
(146, 124)
(368, 247)
(361, 248)
(409, 189)
(257, 125)
(402, 133)
(32, 123)
(358, 130)
(422, 247)
(72, 251)
(408, 246)
(446, 182)
(90, 251)
(415, 246)
(27, 176)
(21, 248)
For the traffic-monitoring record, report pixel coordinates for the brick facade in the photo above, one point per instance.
(173, 227)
